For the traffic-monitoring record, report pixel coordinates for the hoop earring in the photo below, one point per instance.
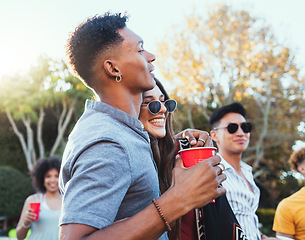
(118, 78)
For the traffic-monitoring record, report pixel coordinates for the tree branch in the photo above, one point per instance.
(65, 121)
(39, 132)
(21, 140)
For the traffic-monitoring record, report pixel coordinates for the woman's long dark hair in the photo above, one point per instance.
(164, 155)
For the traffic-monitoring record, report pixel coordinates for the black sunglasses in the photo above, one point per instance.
(233, 127)
(155, 106)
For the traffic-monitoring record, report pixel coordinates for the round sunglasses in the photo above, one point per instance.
(233, 127)
(155, 106)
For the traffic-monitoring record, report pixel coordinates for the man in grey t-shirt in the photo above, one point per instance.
(108, 177)
(112, 147)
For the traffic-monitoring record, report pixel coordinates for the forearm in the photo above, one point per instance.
(22, 230)
(147, 224)
(24, 223)
(284, 236)
(190, 189)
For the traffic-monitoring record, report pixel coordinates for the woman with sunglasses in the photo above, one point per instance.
(156, 116)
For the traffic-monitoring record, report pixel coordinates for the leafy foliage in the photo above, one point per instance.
(10, 154)
(46, 96)
(266, 216)
(229, 56)
(15, 187)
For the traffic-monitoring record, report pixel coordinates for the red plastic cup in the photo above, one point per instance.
(36, 207)
(192, 156)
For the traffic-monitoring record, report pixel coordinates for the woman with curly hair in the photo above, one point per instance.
(45, 180)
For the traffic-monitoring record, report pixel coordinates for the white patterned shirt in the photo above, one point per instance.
(243, 201)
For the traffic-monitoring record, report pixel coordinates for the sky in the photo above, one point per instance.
(29, 28)
(34, 27)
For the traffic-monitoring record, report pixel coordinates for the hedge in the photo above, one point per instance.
(15, 187)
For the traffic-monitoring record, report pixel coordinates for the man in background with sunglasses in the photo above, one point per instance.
(231, 133)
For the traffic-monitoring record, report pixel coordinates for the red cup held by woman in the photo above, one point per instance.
(36, 207)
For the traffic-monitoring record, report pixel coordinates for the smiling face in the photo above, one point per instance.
(228, 143)
(154, 124)
(51, 180)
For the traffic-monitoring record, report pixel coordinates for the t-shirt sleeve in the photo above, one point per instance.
(100, 178)
(284, 219)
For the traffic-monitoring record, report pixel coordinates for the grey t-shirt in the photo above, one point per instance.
(108, 172)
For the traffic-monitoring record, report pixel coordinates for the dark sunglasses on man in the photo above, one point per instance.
(155, 106)
(233, 127)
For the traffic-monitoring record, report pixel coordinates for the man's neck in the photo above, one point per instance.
(125, 102)
(233, 159)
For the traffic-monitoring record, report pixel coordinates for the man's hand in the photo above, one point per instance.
(200, 184)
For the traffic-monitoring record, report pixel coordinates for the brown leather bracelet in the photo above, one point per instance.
(26, 226)
(161, 215)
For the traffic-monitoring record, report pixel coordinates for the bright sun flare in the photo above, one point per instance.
(13, 60)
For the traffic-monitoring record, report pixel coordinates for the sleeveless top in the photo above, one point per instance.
(47, 227)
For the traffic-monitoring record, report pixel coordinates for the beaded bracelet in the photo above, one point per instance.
(26, 226)
(161, 215)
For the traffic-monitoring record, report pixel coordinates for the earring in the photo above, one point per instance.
(118, 78)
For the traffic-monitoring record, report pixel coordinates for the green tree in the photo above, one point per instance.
(229, 56)
(26, 99)
(10, 153)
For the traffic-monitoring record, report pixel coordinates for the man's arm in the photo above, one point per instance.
(191, 189)
(283, 221)
(284, 236)
(147, 224)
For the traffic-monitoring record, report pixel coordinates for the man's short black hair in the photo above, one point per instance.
(91, 38)
(218, 114)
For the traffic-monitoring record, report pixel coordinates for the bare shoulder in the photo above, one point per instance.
(32, 198)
